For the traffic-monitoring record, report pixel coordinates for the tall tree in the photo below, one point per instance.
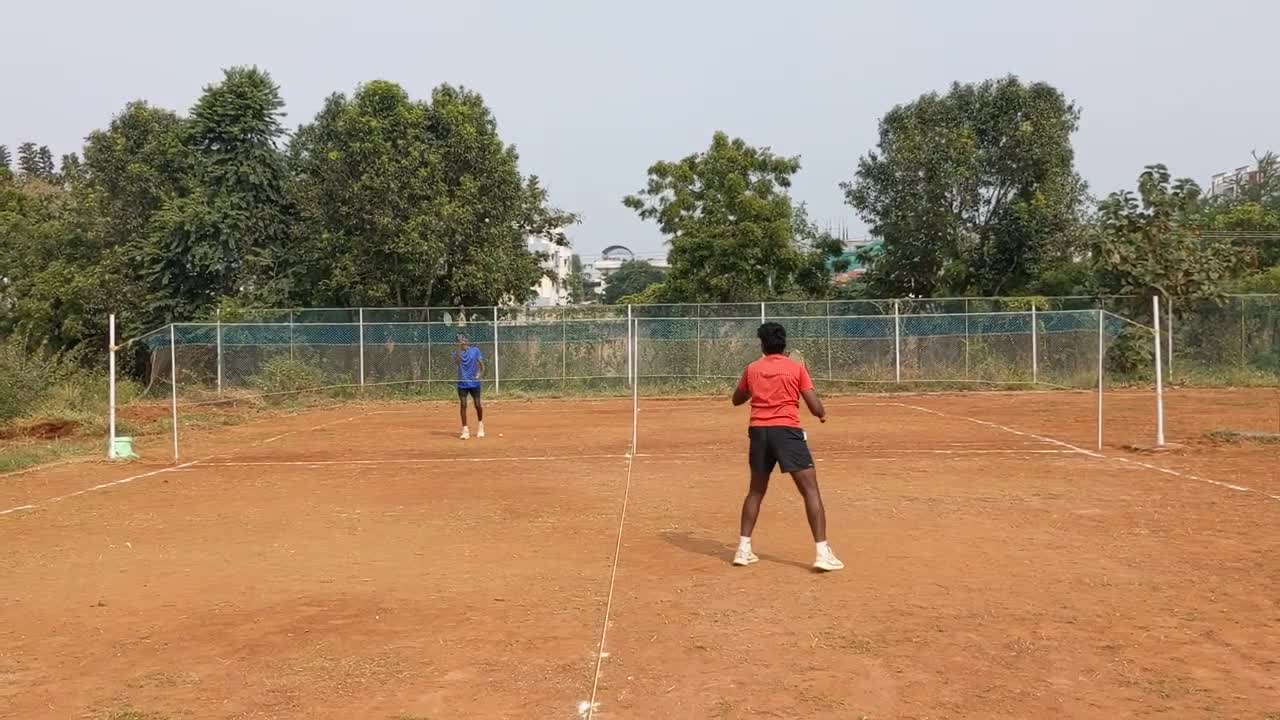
(632, 278)
(45, 157)
(29, 160)
(731, 226)
(71, 169)
(228, 234)
(973, 191)
(1151, 243)
(576, 282)
(6, 160)
(415, 203)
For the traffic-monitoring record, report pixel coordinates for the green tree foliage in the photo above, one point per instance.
(576, 282)
(732, 227)
(29, 160)
(230, 226)
(45, 159)
(973, 192)
(1250, 217)
(632, 278)
(1151, 242)
(415, 203)
(6, 160)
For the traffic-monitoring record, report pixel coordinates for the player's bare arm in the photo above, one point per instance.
(740, 396)
(814, 403)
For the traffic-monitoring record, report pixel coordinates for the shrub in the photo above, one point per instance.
(283, 374)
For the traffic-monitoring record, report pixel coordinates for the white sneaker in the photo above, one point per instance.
(480, 432)
(466, 433)
(744, 557)
(827, 562)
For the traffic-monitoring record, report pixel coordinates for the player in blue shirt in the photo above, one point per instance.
(470, 364)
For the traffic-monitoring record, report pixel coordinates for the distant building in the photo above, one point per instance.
(553, 290)
(610, 260)
(1231, 183)
(854, 251)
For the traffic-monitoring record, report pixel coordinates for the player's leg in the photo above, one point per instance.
(761, 461)
(462, 410)
(796, 460)
(475, 395)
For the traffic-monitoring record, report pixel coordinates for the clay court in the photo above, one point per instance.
(361, 562)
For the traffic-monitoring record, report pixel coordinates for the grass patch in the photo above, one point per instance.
(1241, 437)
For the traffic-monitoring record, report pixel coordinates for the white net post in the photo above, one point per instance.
(218, 341)
(1155, 314)
(497, 368)
(897, 343)
(630, 353)
(1102, 350)
(173, 381)
(111, 387)
(1035, 349)
(360, 328)
(633, 326)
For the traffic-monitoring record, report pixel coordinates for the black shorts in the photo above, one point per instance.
(785, 447)
(472, 391)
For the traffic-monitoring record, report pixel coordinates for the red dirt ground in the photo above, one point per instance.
(361, 562)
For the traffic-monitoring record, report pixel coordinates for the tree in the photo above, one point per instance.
(415, 203)
(1151, 243)
(631, 278)
(973, 191)
(6, 160)
(731, 226)
(71, 169)
(227, 234)
(1250, 217)
(28, 160)
(579, 292)
(45, 159)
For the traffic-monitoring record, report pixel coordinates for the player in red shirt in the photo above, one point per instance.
(775, 384)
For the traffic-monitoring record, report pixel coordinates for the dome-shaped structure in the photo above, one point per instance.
(617, 252)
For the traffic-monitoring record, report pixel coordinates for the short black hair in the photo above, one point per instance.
(773, 338)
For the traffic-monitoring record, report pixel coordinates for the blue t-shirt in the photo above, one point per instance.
(468, 366)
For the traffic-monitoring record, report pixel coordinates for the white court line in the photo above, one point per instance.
(414, 461)
(589, 711)
(174, 468)
(1090, 453)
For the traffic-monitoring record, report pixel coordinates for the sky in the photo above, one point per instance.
(593, 92)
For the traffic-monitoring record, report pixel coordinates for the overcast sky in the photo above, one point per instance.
(592, 92)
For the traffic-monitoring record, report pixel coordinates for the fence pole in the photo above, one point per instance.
(291, 335)
(630, 365)
(429, 373)
(1035, 346)
(497, 369)
(1155, 313)
(361, 328)
(697, 352)
(1102, 350)
(218, 333)
(829, 373)
(966, 338)
(111, 387)
(762, 313)
(897, 343)
(564, 345)
(1243, 355)
(1169, 311)
(173, 381)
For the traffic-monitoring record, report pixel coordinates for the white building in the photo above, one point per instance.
(1231, 183)
(552, 290)
(611, 259)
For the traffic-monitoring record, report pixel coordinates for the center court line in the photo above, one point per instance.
(1098, 455)
(587, 709)
(173, 468)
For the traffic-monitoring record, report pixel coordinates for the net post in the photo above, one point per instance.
(634, 326)
(1035, 346)
(630, 347)
(1155, 313)
(173, 381)
(111, 387)
(218, 336)
(360, 328)
(897, 343)
(1102, 349)
(497, 369)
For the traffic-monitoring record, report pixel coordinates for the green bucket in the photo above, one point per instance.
(122, 449)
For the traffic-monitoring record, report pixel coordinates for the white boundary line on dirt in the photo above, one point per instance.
(1100, 456)
(172, 468)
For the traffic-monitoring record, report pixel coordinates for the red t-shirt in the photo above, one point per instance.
(775, 383)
